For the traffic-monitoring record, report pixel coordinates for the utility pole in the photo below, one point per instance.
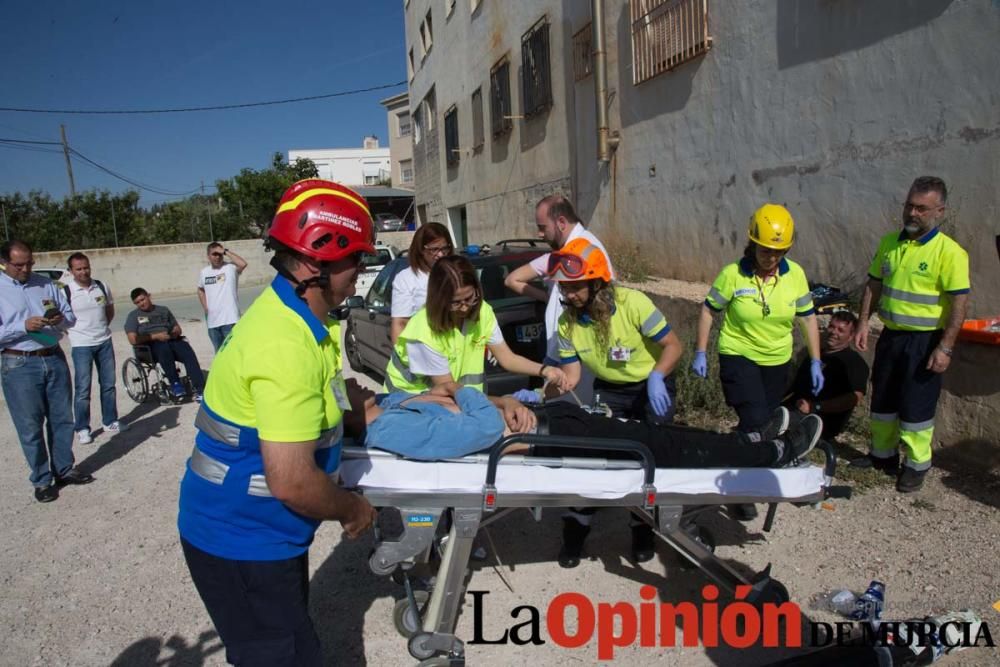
(211, 232)
(69, 165)
(6, 233)
(114, 224)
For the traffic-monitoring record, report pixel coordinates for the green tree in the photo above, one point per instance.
(251, 196)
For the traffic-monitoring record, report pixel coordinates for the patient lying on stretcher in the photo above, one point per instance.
(430, 427)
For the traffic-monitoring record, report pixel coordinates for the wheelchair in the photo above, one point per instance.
(143, 378)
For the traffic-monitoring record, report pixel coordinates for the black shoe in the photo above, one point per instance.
(890, 466)
(643, 544)
(775, 426)
(745, 512)
(46, 494)
(574, 533)
(800, 440)
(74, 476)
(910, 480)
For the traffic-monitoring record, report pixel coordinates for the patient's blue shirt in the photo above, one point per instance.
(430, 432)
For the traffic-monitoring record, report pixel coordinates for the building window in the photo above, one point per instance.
(665, 34)
(409, 66)
(536, 81)
(449, 7)
(429, 114)
(418, 125)
(451, 148)
(500, 120)
(403, 124)
(583, 53)
(406, 171)
(477, 119)
(426, 35)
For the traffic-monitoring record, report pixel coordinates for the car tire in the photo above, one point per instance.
(353, 350)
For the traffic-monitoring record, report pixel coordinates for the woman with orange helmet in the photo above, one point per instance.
(761, 295)
(626, 342)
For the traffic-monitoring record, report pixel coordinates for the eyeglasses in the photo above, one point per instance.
(438, 250)
(217, 254)
(571, 266)
(920, 210)
(459, 304)
(21, 265)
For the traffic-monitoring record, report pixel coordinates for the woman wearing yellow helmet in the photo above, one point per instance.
(760, 295)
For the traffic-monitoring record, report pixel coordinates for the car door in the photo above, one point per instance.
(375, 325)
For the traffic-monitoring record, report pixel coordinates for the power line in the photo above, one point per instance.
(130, 181)
(219, 107)
(25, 141)
(33, 149)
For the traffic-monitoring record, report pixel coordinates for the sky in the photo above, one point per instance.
(159, 54)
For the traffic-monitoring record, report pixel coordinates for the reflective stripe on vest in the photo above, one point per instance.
(908, 320)
(911, 297)
(652, 323)
(716, 296)
(214, 471)
(229, 434)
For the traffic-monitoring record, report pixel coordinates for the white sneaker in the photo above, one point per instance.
(84, 437)
(116, 427)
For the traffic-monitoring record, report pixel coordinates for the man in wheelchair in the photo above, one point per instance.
(157, 327)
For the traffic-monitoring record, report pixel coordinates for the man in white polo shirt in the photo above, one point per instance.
(90, 338)
(558, 224)
(217, 291)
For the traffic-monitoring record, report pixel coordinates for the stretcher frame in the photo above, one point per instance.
(429, 622)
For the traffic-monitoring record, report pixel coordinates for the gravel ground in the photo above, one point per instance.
(97, 577)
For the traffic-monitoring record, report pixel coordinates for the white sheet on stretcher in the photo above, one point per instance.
(438, 477)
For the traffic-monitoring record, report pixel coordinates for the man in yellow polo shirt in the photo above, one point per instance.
(919, 279)
(262, 475)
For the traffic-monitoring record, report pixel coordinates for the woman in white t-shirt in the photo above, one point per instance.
(409, 288)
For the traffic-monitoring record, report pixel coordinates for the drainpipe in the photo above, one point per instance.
(606, 142)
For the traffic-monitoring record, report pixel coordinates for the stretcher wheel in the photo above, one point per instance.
(418, 648)
(439, 661)
(376, 565)
(406, 618)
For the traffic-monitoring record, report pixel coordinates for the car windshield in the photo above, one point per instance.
(380, 258)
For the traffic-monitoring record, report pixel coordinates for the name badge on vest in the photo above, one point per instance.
(619, 353)
(339, 388)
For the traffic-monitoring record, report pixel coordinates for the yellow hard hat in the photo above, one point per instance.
(772, 226)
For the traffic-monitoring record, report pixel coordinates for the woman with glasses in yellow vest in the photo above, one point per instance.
(626, 342)
(443, 346)
(761, 296)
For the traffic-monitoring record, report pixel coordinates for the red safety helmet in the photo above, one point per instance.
(578, 260)
(323, 220)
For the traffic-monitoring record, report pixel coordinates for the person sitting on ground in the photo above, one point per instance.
(157, 327)
(845, 374)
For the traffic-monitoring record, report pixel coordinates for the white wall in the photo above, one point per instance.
(348, 166)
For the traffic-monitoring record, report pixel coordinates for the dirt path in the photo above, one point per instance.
(97, 577)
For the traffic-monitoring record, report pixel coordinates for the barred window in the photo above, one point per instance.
(406, 171)
(500, 120)
(536, 78)
(452, 151)
(583, 53)
(477, 119)
(665, 34)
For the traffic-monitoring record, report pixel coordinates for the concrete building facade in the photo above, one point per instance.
(369, 165)
(400, 125)
(831, 108)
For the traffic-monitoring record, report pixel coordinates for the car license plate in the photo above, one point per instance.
(528, 333)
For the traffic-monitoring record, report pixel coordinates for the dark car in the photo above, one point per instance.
(389, 222)
(522, 319)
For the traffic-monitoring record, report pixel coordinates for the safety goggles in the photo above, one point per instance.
(571, 266)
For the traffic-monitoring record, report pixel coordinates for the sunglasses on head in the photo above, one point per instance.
(217, 254)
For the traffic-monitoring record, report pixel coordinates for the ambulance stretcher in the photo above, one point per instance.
(462, 495)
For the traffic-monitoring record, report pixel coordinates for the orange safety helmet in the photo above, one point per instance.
(578, 260)
(772, 226)
(323, 220)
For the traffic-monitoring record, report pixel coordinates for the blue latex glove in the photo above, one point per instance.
(656, 390)
(700, 364)
(816, 373)
(527, 396)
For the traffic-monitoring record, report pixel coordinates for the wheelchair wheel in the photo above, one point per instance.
(135, 380)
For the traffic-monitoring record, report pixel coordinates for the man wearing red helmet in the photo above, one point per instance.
(263, 473)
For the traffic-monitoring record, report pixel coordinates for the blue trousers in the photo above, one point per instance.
(259, 607)
(37, 390)
(84, 359)
(168, 353)
(218, 334)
